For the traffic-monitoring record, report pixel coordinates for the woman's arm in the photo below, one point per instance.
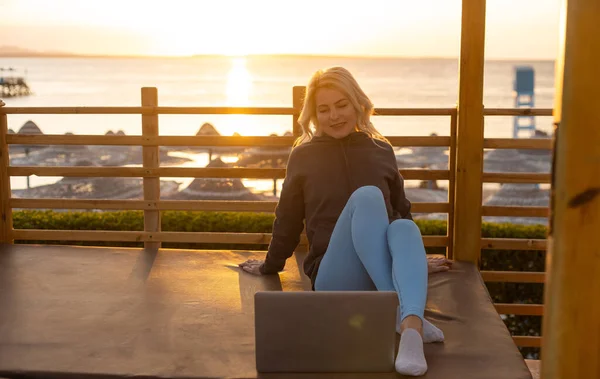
(400, 204)
(289, 219)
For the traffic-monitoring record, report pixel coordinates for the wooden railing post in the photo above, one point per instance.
(298, 93)
(6, 224)
(469, 140)
(451, 184)
(151, 161)
(571, 332)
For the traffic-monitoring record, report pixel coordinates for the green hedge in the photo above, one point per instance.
(181, 221)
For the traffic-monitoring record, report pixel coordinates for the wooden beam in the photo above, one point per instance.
(571, 330)
(469, 154)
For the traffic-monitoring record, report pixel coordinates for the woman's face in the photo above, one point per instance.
(335, 114)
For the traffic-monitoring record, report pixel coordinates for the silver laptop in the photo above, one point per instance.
(322, 331)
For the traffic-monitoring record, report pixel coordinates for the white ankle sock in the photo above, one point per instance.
(411, 358)
(431, 333)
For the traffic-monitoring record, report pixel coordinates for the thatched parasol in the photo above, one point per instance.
(522, 195)
(265, 156)
(215, 188)
(95, 188)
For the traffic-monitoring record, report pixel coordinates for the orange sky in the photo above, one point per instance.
(521, 29)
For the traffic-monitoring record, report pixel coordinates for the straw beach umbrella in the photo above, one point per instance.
(94, 187)
(265, 156)
(522, 195)
(215, 188)
(512, 160)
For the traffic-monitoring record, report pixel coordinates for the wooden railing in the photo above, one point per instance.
(151, 172)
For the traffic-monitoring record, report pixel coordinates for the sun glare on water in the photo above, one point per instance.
(238, 93)
(239, 84)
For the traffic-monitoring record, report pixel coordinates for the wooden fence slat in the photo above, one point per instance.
(275, 111)
(513, 244)
(515, 211)
(520, 309)
(197, 141)
(184, 205)
(187, 237)
(516, 177)
(190, 172)
(513, 276)
(518, 143)
(527, 341)
(517, 112)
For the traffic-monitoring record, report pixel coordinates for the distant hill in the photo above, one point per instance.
(15, 51)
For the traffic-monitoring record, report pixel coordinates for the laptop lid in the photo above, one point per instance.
(325, 331)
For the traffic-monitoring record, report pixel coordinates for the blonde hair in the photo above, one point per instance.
(340, 79)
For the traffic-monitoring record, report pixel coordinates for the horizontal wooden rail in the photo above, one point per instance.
(518, 143)
(520, 309)
(190, 172)
(277, 111)
(526, 177)
(414, 111)
(192, 237)
(148, 110)
(527, 341)
(515, 211)
(513, 276)
(513, 244)
(208, 141)
(251, 141)
(517, 111)
(183, 205)
(180, 172)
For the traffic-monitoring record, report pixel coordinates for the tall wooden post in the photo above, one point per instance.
(151, 161)
(298, 93)
(571, 324)
(469, 145)
(6, 224)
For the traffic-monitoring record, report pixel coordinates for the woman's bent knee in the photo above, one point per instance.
(404, 227)
(368, 193)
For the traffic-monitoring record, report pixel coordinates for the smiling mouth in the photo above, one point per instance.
(338, 125)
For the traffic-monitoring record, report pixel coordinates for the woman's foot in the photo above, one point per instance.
(430, 334)
(411, 357)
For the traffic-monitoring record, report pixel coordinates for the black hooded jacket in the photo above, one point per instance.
(320, 177)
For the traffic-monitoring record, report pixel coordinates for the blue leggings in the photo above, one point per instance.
(367, 253)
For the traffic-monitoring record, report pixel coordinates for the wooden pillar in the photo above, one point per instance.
(469, 139)
(298, 94)
(452, 184)
(6, 224)
(571, 324)
(151, 161)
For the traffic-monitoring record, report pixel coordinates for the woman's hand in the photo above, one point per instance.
(252, 266)
(438, 263)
